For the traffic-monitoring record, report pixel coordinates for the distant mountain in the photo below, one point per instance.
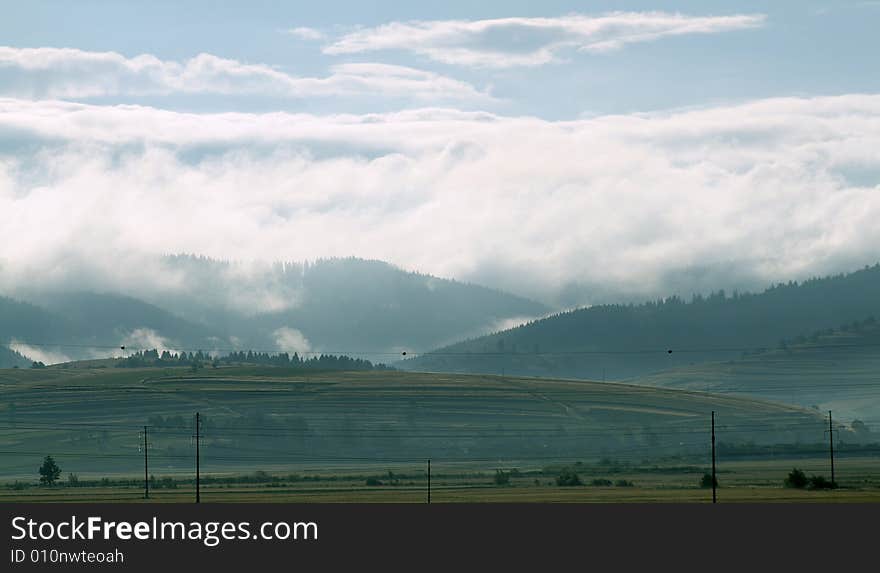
(87, 325)
(108, 318)
(626, 341)
(351, 306)
(24, 321)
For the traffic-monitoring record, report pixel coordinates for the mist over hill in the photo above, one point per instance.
(625, 341)
(353, 306)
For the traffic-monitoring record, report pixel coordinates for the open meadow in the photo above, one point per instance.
(284, 435)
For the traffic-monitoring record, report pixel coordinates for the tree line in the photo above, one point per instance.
(199, 359)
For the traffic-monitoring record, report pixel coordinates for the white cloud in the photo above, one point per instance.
(508, 42)
(39, 354)
(305, 33)
(291, 340)
(145, 339)
(770, 190)
(64, 73)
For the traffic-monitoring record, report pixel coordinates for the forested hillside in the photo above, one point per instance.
(624, 341)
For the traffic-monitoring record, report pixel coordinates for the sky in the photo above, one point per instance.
(574, 152)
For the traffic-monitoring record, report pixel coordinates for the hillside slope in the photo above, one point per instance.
(625, 341)
(834, 369)
(265, 418)
(86, 325)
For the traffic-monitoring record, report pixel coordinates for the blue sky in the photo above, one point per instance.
(803, 48)
(570, 151)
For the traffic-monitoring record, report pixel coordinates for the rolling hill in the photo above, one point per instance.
(274, 418)
(627, 341)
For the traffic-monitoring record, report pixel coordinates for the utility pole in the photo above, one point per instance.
(714, 480)
(831, 445)
(429, 480)
(198, 497)
(146, 467)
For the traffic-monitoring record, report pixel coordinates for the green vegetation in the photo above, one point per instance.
(272, 433)
(49, 471)
(624, 341)
(798, 479)
(198, 359)
(708, 481)
(279, 418)
(745, 481)
(830, 369)
(568, 477)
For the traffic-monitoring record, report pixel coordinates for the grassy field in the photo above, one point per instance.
(322, 434)
(740, 481)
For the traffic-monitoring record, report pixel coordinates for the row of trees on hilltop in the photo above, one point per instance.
(198, 359)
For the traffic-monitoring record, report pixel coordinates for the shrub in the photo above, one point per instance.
(707, 480)
(501, 477)
(796, 479)
(601, 482)
(568, 477)
(819, 482)
(72, 480)
(623, 483)
(371, 481)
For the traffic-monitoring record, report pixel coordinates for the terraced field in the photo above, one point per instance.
(277, 420)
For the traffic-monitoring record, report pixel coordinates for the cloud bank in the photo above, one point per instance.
(509, 42)
(769, 190)
(66, 73)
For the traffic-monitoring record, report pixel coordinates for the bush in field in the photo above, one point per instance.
(601, 482)
(371, 481)
(624, 483)
(796, 479)
(72, 480)
(706, 480)
(568, 477)
(819, 482)
(501, 477)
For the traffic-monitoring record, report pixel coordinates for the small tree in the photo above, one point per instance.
(49, 471)
(501, 477)
(796, 479)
